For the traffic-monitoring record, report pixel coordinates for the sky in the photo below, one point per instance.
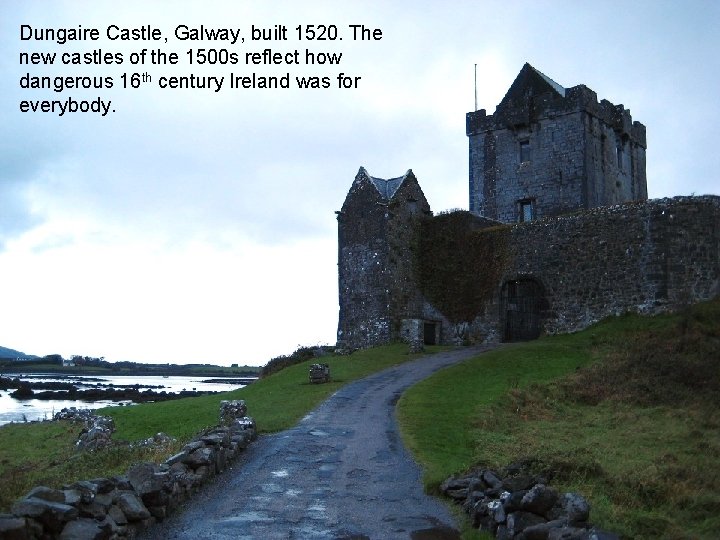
(194, 226)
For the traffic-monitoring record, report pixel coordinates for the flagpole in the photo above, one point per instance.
(476, 87)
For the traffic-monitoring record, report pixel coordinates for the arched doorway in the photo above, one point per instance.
(522, 303)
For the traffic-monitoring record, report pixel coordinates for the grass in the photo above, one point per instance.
(44, 453)
(625, 412)
(457, 395)
(276, 402)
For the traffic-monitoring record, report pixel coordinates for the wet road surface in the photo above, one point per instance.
(341, 473)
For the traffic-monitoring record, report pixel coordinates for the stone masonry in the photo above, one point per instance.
(122, 506)
(549, 150)
(572, 271)
(560, 178)
(377, 229)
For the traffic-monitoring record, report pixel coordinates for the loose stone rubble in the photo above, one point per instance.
(520, 506)
(319, 373)
(73, 414)
(231, 411)
(97, 432)
(158, 440)
(121, 506)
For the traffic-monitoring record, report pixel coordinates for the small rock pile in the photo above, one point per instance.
(521, 506)
(230, 411)
(120, 506)
(158, 440)
(97, 432)
(73, 414)
(319, 373)
(416, 345)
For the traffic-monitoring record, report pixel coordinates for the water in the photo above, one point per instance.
(14, 410)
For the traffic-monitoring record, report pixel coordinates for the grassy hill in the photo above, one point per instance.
(12, 353)
(625, 412)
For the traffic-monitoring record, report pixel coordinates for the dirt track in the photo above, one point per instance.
(341, 473)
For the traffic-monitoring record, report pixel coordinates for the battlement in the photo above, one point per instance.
(534, 96)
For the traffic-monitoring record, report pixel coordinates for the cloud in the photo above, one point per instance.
(15, 217)
(22, 166)
(212, 213)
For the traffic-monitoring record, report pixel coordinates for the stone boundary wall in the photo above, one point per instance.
(122, 506)
(516, 505)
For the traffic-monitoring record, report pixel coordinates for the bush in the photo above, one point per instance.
(300, 355)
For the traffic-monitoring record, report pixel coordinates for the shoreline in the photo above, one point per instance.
(63, 372)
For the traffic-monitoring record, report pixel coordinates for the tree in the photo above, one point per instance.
(54, 359)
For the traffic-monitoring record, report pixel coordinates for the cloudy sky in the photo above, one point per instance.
(197, 226)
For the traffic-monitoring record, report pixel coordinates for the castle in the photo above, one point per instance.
(559, 234)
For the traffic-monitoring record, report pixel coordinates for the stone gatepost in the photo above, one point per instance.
(231, 411)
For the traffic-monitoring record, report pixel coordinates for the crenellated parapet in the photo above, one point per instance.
(550, 102)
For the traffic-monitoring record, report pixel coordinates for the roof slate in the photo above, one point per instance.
(386, 188)
(530, 81)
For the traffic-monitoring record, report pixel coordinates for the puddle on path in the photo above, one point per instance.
(272, 488)
(436, 533)
(246, 517)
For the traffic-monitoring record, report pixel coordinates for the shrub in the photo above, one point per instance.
(300, 355)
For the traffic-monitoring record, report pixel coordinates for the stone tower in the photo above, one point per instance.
(549, 150)
(377, 235)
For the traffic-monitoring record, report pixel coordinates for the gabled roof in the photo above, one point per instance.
(530, 82)
(386, 188)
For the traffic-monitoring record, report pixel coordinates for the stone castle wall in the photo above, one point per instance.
(558, 150)
(362, 265)
(377, 232)
(500, 179)
(648, 257)
(407, 208)
(563, 234)
(642, 257)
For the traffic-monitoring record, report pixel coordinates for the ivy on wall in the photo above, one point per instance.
(461, 263)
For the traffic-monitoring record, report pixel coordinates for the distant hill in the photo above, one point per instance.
(12, 353)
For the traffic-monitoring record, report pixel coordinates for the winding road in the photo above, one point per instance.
(341, 473)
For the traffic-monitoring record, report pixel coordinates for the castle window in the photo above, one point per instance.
(412, 206)
(619, 151)
(527, 210)
(524, 151)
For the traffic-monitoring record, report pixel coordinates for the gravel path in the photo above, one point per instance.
(341, 473)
